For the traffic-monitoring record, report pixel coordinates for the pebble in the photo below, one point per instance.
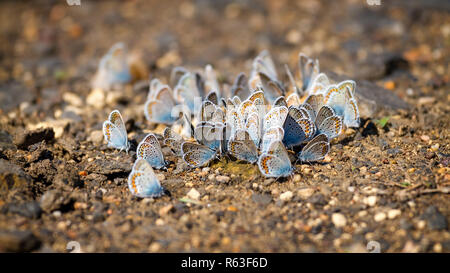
(380, 216)
(297, 178)
(286, 196)
(96, 98)
(166, 209)
(211, 177)
(222, 178)
(393, 213)
(370, 200)
(305, 193)
(96, 136)
(72, 99)
(193, 194)
(425, 138)
(338, 220)
(425, 100)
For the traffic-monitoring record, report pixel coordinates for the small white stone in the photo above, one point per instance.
(222, 178)
(286, 196)
(370, 200)
(394, 213)
(381, 216)
(193, 194)
(96, 98)
(305, 193)
(338, 219)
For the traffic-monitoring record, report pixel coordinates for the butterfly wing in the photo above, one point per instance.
(114, 136)
(197, 155)
(336, 99)
(331, 127)
(253, 128)
(276, 162)
(142, 180)
(116, 118)
(150, 150)
(243, 148)
(351, 114)
(315, 150)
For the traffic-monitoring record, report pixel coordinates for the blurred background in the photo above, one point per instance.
(49, 42)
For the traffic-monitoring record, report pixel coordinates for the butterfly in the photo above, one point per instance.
(115, 132)
(280, 101)
(240, 87)
(309, 68)
(113, 68)
(293, 100)
(328, 123)
(188, 89)
(341, 98)
(315, 150)
(298, 127)
(275, 162)
(319, 84)
(209, 134)
(197, 155)
(150, 150)
(316, 102)
(242, 147)
(270, 135)
(173, 140)
(211, 112)
(142, 180)
(262, 65)
(275, 117)
(211, 83)
(158, 108)
(252, 125)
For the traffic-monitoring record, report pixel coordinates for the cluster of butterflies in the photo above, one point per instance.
(254, 120)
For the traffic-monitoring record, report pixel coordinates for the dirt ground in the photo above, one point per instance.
(386, 184)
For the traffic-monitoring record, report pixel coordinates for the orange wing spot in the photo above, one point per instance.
(133, 181)
(108, 131)
(331, 91)
(338, 124)
(264, 164)
(354, 107)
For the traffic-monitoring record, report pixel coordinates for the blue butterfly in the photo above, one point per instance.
(242, 147)
(197, 155)
(158, 108)
(328, 123)
(297, 127)
(115, 132)
(142, 180)
(309, 68)
(209, 134)
(113, 68)
(341, 98)
(315, 150)
(173, 140)
(275, 162)
(187, 90)
(270, 135)
(150, 150)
